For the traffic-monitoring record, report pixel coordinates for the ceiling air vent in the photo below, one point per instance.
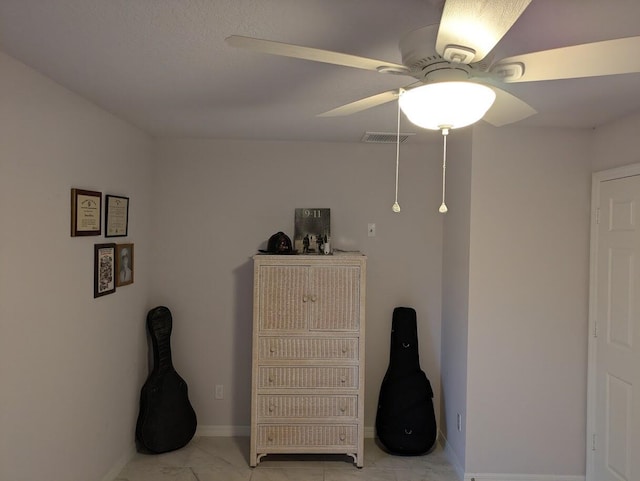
(385, 137)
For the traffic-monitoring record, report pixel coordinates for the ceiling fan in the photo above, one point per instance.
(459, 49)
(456, 79)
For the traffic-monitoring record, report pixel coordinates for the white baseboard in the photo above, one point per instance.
(455, 462)
(120, 464)
(520, 477)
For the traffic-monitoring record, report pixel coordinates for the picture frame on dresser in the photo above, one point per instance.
(311, 229)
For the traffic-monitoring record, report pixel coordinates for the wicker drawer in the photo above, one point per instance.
(286, 377)
(306, 435)
(295, 348)
(312, 406)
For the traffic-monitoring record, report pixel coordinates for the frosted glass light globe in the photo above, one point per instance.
(447, 104)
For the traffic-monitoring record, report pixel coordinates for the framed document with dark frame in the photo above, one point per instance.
(124, 264)
(86, 212)
(104, 269)
(116, 216)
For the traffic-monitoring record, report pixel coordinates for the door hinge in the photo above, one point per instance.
(595, 329)
(593, 442)
(598, 215)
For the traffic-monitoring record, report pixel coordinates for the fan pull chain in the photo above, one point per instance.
(396, 206)
(445, 131)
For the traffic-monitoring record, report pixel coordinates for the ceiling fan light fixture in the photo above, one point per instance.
(447, 104)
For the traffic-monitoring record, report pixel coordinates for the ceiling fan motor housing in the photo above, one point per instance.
(418, 50)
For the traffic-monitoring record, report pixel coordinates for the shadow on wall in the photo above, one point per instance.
(242, 327)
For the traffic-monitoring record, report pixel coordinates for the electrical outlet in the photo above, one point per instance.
(459, 422)
(219, 391)
(371, 230)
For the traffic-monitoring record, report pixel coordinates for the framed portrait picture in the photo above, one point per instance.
(124, 264)
(86, 210)
(116, 216)
(104, 263)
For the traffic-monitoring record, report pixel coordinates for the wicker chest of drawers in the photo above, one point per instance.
(308, 355)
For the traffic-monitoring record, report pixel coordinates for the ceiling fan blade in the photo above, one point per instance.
(469, 29)
(507, 109)
(362, 104)
(315, 54)
(609, 57)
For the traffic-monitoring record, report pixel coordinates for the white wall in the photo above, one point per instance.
(528, 301)
(71, 366)
(219, 201)
(616, 143)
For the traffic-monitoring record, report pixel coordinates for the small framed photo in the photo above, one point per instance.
(86, 210)
(104, 263)
(124, 264)
(116, 216)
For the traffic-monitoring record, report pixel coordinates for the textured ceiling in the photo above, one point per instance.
(164, 66)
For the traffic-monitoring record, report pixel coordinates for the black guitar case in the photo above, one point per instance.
(405, 421)
(166, 421)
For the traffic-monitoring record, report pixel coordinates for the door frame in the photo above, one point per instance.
(597, 179)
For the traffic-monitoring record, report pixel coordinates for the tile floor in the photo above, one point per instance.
(226, 459)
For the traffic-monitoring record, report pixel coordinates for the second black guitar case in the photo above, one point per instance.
(405, 420)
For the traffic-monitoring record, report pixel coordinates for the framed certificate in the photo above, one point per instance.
(116, 215)
(86, 209)
(104, 269)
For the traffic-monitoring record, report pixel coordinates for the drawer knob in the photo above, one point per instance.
(405, 345)
(408, 431)
(305, 298)
(343, 379)
(270, 378)
(272, 408)
(344, 350)
(343, 437)
(270, 438)
(314, 298)
(272, 349)
(343, 409)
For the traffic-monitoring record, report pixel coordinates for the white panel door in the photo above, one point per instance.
(617, 360)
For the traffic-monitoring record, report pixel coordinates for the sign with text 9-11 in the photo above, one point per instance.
(312, 228)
